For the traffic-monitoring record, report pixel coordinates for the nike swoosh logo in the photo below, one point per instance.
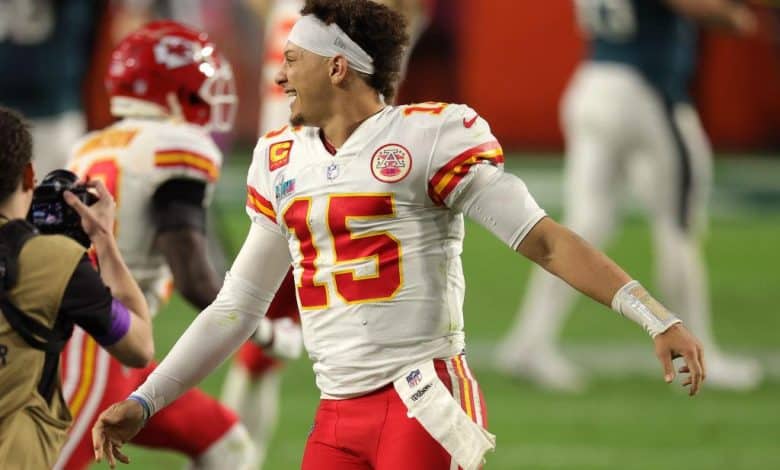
(467, 123)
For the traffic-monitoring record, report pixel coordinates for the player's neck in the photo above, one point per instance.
(348, 115)
(14, 207)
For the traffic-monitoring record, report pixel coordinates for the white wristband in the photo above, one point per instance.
(634, 302)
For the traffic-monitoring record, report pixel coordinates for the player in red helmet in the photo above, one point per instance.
(170, 86)
(168, 70)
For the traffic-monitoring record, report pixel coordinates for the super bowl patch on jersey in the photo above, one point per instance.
(282, 186)
(391, 163)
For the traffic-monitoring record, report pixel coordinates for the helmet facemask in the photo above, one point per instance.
(219, 92)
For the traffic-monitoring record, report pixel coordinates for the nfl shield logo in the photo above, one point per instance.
(414, 378)
(332, 172)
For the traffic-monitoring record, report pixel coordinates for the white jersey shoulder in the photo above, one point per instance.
(462, 139)
(134, 158)
(158, 150)
(271, 153)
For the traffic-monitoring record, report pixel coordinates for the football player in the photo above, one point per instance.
(367, 202)
(252, 384)
(629, 123)
(171, 87)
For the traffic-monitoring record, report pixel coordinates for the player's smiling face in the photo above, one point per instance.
(304, 78)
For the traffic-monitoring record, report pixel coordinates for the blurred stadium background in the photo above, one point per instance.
(510, 61)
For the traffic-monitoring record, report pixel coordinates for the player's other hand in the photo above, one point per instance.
(115, 426)
(97, 219)
(676, 342)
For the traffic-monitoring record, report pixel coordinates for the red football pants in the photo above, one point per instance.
(372, 432)
(93, 381)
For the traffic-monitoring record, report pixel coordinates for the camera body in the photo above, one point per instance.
(49, 212)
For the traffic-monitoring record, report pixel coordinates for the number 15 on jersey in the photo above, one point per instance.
(348, 249)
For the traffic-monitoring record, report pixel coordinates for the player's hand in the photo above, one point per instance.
(97, 219)
(676, 342)
(115, 426)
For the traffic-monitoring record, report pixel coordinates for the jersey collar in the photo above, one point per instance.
(357, 140)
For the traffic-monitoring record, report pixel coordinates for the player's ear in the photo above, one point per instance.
(28, 177)
(337, 69)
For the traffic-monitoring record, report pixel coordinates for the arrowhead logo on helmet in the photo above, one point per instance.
(175, 52)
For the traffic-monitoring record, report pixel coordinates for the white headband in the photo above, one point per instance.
(329, 40)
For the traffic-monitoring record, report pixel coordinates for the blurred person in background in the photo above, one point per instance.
(367, 201)
(48, 285)
(46, 48)
(171, 87)
(629, 122)
(253, 384)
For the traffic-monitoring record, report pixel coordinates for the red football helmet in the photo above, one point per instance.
(168, 69)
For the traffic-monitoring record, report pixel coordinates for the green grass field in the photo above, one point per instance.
(623, 421)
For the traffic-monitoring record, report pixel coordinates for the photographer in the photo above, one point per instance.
(48, 285)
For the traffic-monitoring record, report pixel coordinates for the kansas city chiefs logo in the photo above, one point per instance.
(174, 52)
(391, 163)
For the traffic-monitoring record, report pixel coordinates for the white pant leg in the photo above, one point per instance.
(256, 401)
(233, 450)
(594, 122)
(674, 181)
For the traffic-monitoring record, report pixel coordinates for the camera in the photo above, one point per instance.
(49, 212)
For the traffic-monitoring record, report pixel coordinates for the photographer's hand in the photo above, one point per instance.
(97, 219)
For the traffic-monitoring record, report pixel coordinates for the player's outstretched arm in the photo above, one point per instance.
(566, 255)
(215, 334)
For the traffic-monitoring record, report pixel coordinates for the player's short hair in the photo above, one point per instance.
(380, 31)
(15, 150)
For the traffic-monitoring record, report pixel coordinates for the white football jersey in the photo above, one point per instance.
(133, 158)
(375, 235)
